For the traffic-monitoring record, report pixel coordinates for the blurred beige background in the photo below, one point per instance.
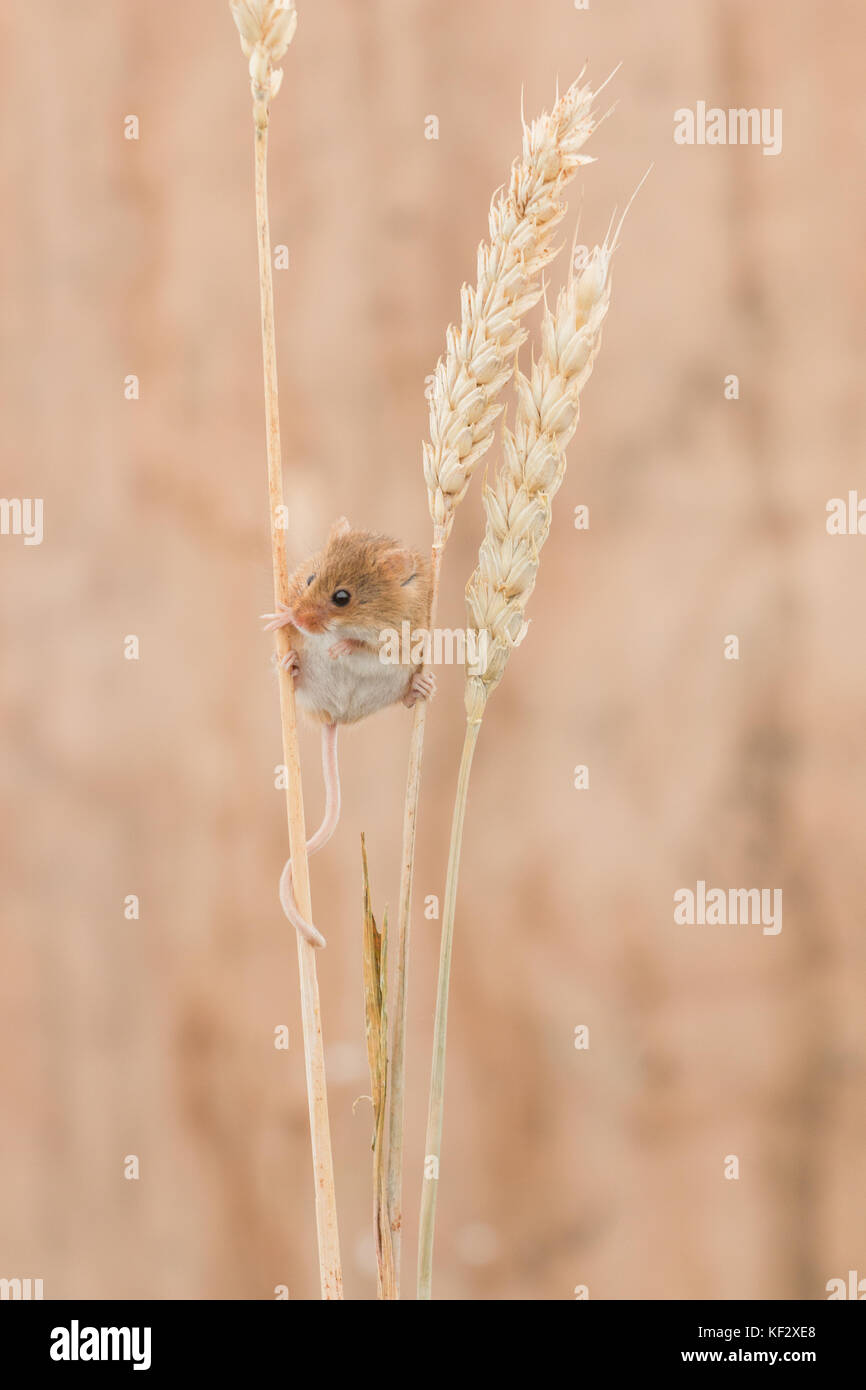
(155, 777)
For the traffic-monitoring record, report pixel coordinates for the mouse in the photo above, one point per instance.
(340, 601)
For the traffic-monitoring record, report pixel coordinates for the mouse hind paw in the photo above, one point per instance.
(291, 662)
(421, 687)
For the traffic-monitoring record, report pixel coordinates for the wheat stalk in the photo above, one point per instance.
(266, 29)
(463, 391)
(518, 509)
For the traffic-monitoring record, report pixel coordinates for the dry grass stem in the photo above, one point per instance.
(266, 28)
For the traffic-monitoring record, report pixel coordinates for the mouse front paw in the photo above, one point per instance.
(421, 687)
(282, 618)
(345, 647)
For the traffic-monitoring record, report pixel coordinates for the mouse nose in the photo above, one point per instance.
(308, 617)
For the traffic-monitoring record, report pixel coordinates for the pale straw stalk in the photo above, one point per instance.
(266, 29)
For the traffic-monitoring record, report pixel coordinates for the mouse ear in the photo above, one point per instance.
(398, 564)
(340, 528)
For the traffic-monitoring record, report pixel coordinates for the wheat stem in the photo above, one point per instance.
(478, 362)
(396, 1093)
(433, 1141)
(518, 508)
(266, 28)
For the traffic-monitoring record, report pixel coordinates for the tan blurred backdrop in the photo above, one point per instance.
(707, 518)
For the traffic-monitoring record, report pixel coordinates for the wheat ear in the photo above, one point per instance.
(463, 391)
(518, 509)
(266, 28)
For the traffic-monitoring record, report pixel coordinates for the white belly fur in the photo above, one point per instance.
(347, 687)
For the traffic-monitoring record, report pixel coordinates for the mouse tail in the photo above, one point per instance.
(331, 772)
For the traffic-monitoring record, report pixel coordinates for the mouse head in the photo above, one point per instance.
(358, 584)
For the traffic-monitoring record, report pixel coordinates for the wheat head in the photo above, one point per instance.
(518, 505)
(480, 352)
(266, 29)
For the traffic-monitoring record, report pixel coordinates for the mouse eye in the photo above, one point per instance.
(341, 598)
(310, 578)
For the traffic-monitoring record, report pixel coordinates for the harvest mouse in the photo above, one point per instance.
(340, 602)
